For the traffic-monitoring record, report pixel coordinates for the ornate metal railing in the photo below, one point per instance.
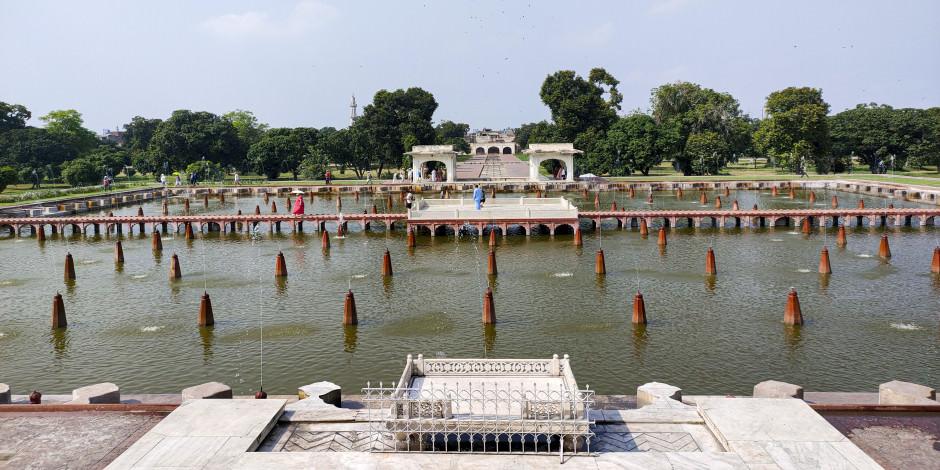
(500, 416)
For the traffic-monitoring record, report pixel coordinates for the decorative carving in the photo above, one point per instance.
(465, 367)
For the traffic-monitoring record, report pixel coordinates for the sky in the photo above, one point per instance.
(298, 62)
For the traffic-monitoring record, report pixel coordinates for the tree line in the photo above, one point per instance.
(698, 129)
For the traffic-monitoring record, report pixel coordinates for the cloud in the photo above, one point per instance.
(666, 7)
(307, 15)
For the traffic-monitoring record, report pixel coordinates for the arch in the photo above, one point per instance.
(564, 229)
(8, 228)
(421, 229)
(507, 150)
(540, 229)
(558, 168)
(487, 229)
(443, 230)
(785, 219)
(517, 229)
(480, 151)
(492, 150)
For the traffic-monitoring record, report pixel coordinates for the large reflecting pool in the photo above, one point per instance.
(870, 322)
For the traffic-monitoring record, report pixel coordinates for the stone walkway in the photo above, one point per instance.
(86, 440)
(492, 167)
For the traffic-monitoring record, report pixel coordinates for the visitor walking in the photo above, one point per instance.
(163, 180)
(193, 178)
(409, 200)
(328, 177)
(434, 175)
(478, 197)
(179, 182)
(35, 179)
(235, 177)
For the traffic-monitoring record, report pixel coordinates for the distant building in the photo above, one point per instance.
(112, 137)
(488, 141)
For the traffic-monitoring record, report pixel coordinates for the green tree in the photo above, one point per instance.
(109, 158)
(267, 156)
(578, 104)
(68, 124)
(796, 129)
(8, 176)
(708, 152)
(314, 164)
(692, 109)
(207, 171)
(636, 143)
(139, 132)
(396, 120)
(13, 116)
(189, 136)
(541, 132)
(453, 133)
(348, 148)
(879, 133)
(34, 148)
(249, 129)
(82, 172)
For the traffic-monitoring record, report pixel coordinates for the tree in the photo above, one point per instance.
(81, 172)
(268, 154)
(636, 143)
(13, 116)
(879, 133)
(246, 125)
(109, 158)
(538, 133)
(207, 171)
(396, 120)
(348, 148)
(578, 104)
(314, 165)
(139, 132)
(694, 110)
(8, 176)
(708, 152)
(796, 129)
(68, 124)
(34, 148)
(453, 133)
(189, 136)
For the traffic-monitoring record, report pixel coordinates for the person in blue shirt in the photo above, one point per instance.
(478, 196)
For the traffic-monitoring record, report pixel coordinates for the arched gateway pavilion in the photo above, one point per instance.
(422, 154)
(563, 152)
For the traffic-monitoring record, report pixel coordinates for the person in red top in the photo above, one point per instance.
(298, 208)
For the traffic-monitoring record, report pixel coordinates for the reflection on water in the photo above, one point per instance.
(138, 329)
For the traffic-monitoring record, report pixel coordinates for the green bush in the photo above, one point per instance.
(8, 176)
(81, 172)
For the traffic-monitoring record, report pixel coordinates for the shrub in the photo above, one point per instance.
(8, 176)
(81, 172)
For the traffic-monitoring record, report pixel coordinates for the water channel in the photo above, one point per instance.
(871, 322)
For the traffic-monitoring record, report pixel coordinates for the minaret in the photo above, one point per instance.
(352, 110)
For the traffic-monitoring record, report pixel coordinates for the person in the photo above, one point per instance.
(163, 179)
(179, 182)
(298, 207)
(328, 176)
(193, 178)
(369, 177)
(409, 200)
(478, 197)
(434, 175)
(236, 178)
(35, 179)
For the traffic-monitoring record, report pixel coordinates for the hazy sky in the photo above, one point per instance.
(296, 62)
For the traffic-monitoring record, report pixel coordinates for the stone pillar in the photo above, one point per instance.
(325, 240)
(156, 242)
(175, 271)
(840, 237)
(205, 310)
(600, 267)
(118, 252)
(793, 315)
(280, 265)
(935, 263)
(69, 268)
(661, 240)
(835, 201)
(577, 237)
(410, 241)
(349, 310)
(491, 263)
(824, 266)
(58, 312)
(711, 268)
(717, 202)
(644, 228)
(639, 309)
(489, 308)
(386, 264)
(884, 251)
